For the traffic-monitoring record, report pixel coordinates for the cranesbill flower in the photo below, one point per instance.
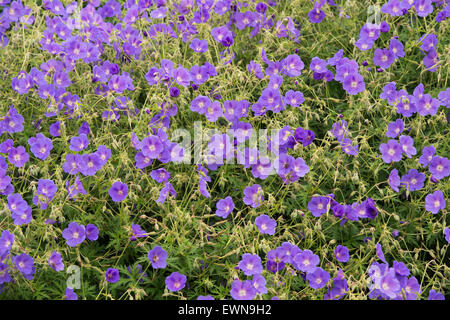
(24, 263)
(91, 232)
(224, 207)
(318, 278)
(392, 7)
(439, 167)
(406, 106)
(89, 164)
(79, 143)
(395, 128)
(434, 295)
(208, 297)
(427, 105)
(423, 7)
(214, 111)
(138, 232)
(112, 275)
(379, 252)
(407, 144)
(23, 217)
(182, 76)
(6, 241)
(318, 205)
(175, 281)
(447, 234)
(157, 257)
(383, 58)
(55, 261)
(394, 180)
(414, 180)
(199, 45)
(316, 15)
(341, 253)
(435, 202)
(250, 264)
(391, 151)
(389, 285)
(242, 290)
(253, 196)
(74, 234)
(103, 154)
(69, 294)
(412, 289)
(118, 191)
(151, 146)
(16, 204)
(396, 47)
(305, 261)
(294, 98)
(265, 224)
(40, 146)
(259, 282)
(18, 156)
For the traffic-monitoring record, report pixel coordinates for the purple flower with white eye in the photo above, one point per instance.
(45, 192)
(89, 164)
(407, 144)
(444, 95)
(396, 47)
(414, 180)
(383, 58)
(69, 294)
(214, 111)
(118, 191)
(340, 130)
(24, 263)
(6, 241)
(318, 278)
(242, 290)
(434, 295)
(199, 45)
(394, 180)
(318, 65)
(79, 143)
(341, 253)
(55, 261)
(262, 168)
(182, 76)
(294, 98)
(439, 167)
(16, 204)
(40, 146)
(391, 151)
(265, 224)
(74, 234)
(157, 257)
(18, 156)
(151, 146)
(305, 261)
(22, 217)
(70, 166)
(423, 7)
(435, 202)
(395, 128)
(91, 232)
(318, 205)
(175, 281)
(224, 207)
(250, 264)
(392, 7)
(292, 65)
(142, 161)
(199, 75)
(390, 285)
(253, 196)
(200, 104)
(55, 129)
(160, 175)
(412, 289)
(259, 282)
(354, 83)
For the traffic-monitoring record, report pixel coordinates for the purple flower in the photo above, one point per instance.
(79, 143)
(160, 175)
(391, 151)
(199, 45)
(434, 295)
(354, 83)
(24, 263)
(138, 232)
(224, 207)
(318, 205)
(389, 284)
(74, 234)
(259, 282)
(112, 275)
(6, 241)
(447, 234)
(394, 180)
(175, 281)
(89, 164)
(91, 232)
(157, 257)
(395, 128)
(341, 253)
(318, 278)
(383, 58)
(412, 289)
(118, 191)
(214, 111)
(18, 156)
(265, 224)
(55, 129)
(439, 167)
(55, 261)
(250, 264)
(40, 146)
(292, 65)
(396, 47)
(253, 196)
(414, 180)
(69, 294)
(151, 146)
(243, 290)
(208, 297)
(423, 7)
(435, 202)
(380, 254)
(316, 15)
(182, 76)
(407, 144)
(427, 105)
(305, 261)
